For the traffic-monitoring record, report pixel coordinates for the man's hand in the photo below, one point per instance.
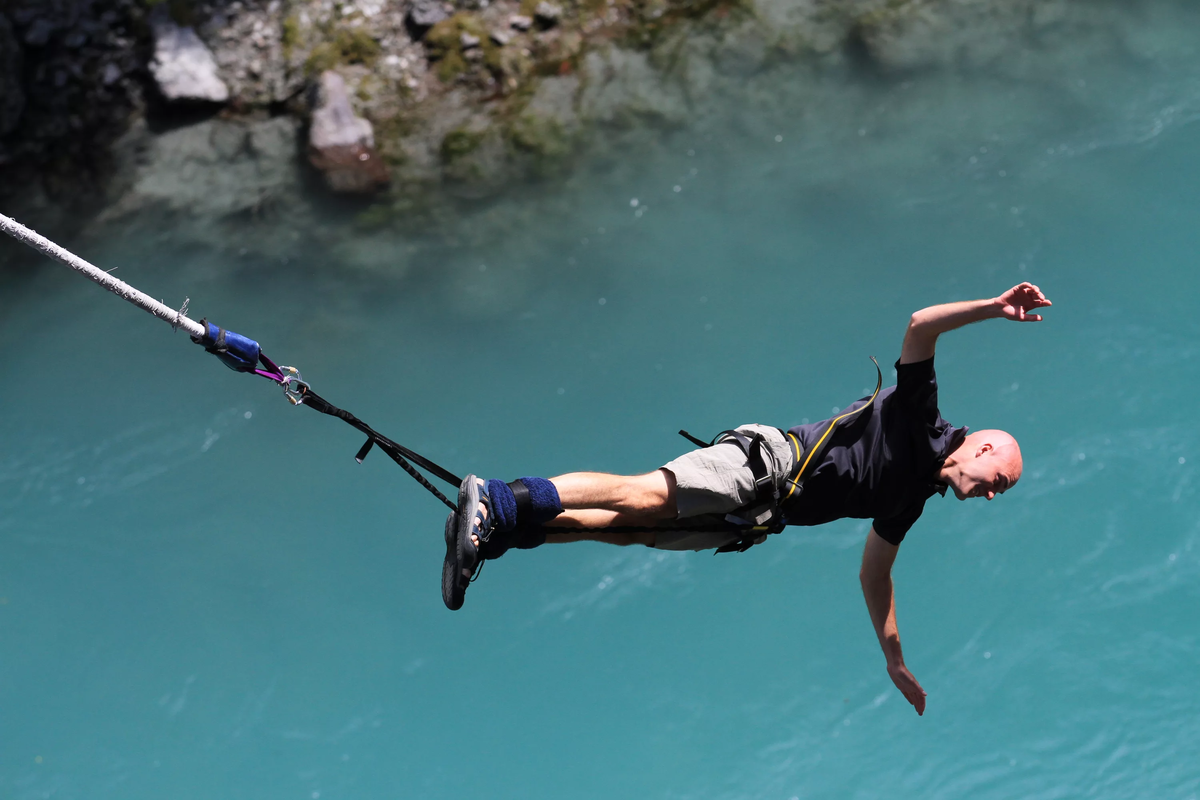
(908, 686)
(926, 325)
(876, 577)
(1017, 302)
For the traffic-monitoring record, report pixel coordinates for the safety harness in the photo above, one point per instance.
(765, 513)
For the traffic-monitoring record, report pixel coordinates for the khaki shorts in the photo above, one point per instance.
(712, 481)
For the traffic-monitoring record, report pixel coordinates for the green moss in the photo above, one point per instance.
(348, 46)
(291, 34)
(443, 42)
(378, 216)
(493, 59)
(446, 36)
(884, 14)
(458, 143)
(451, 66)
(661, 16)
(539, 136)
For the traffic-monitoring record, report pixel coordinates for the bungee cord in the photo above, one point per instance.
(241, 354)
(118, 287)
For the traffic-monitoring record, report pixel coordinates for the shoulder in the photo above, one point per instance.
(916, 382)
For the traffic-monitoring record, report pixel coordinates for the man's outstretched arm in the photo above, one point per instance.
(876, 578)
(926, 325)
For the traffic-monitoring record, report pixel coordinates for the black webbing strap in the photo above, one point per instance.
(398, 453)
(521, 495)
(694, 440)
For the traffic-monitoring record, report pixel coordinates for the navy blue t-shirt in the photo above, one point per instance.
(883, 464)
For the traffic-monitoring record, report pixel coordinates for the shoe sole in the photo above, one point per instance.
(456, 574)
(450, 594)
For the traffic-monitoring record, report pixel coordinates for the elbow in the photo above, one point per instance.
(873, 576)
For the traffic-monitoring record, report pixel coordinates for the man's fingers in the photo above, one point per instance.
(917, 699)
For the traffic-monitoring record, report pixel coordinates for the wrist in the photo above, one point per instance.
(892, 652)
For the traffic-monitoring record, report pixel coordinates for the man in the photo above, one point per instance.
(880, 460)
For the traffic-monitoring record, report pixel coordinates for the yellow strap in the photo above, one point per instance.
(816, 448)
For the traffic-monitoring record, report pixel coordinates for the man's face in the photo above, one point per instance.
(987, 472)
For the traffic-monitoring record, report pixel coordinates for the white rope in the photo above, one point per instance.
(119, 288)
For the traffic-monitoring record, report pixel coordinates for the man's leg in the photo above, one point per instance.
(583, 501)
(598, 500)
(644, 497)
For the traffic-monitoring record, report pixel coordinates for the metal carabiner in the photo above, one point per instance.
(294, 386)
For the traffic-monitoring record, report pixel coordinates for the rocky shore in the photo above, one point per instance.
(227, 112)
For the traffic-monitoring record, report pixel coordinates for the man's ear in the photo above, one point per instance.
(984, 448)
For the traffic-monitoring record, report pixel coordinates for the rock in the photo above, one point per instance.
(621, 88)
(213, 170)
(183, 66)
(423, 15)
(499, 37)
(39, 32)
(520, 22)
(12, 96)
(547, 14)
(341, 144)
(468, 41)
(916, 34)
(255, 49)
(548, 124)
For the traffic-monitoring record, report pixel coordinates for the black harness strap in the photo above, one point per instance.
(694, 440)
(398, 453)
(524, 501)
(766, 495)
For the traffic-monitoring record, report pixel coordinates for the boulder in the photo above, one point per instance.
(212, 170)
(423, 15)
(12, 97)
(341, 144)
(183, 66)
(547, 14)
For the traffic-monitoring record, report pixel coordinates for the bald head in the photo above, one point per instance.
(986, 464)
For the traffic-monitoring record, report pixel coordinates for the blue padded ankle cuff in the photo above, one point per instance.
(504, 505)
(544, 499)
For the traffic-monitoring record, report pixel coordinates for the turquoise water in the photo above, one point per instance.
(201, 595)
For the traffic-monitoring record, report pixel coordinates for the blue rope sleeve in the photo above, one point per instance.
(237, 352)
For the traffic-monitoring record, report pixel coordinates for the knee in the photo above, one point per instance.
(652, 494)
